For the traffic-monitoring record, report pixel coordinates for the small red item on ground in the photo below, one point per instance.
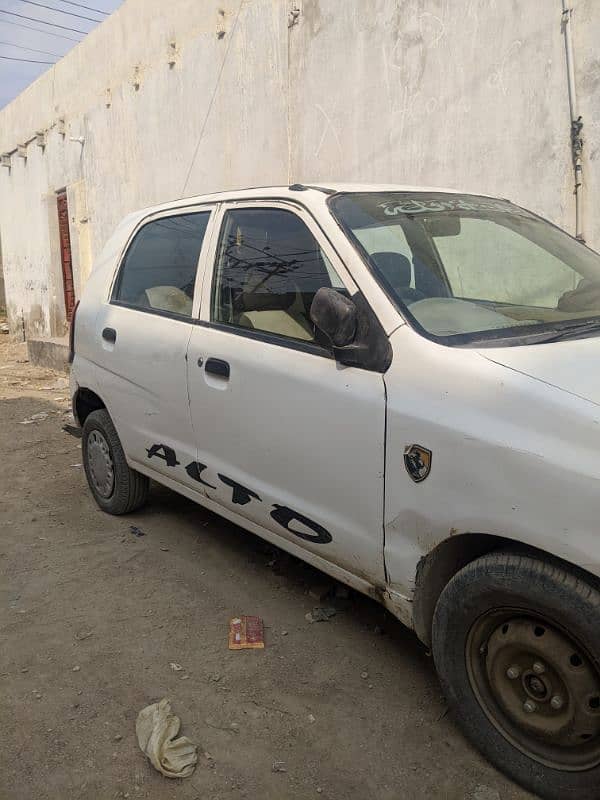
(246, 633)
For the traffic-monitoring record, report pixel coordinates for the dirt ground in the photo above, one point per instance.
(92, 617)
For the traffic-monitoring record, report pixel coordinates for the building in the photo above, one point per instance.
(171, 99)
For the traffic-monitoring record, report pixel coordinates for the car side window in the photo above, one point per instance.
(158, 271)
(268, 269)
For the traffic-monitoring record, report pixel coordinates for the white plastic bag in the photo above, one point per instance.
(156, 729)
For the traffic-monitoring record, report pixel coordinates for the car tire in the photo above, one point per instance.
(117, 488)
(516, 644)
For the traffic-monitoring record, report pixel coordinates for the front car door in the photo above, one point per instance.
(144, 330)
(287, 438)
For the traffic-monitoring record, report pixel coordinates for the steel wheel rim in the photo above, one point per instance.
(538, 686)
(100, 464)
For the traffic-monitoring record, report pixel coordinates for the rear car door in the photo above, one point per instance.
(143, 332)
(286, 437)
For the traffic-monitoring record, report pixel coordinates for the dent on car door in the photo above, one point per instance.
(143, 336)
(286, 437)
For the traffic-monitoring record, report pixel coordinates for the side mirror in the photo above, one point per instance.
(356, 334)
(335, 315)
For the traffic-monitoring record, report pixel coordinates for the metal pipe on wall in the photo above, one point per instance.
(576, 121)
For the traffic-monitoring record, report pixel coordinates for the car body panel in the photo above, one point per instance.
(275, 428)
(144, 374)
(492, 431)
(570, 365)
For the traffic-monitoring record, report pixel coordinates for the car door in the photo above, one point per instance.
(143, 332)
(287, 438)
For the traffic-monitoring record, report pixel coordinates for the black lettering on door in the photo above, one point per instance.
(241, 495)
(284, 515)
(195, 469)
(168, 454)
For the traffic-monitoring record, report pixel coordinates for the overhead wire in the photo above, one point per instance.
(213, 98)
(27, 60)
(59, 10)
(87, 8)
(31, 49)
(42, 22)
(37, 30)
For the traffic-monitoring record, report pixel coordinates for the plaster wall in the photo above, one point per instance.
(187, 98)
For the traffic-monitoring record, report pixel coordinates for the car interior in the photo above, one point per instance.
(269, 270)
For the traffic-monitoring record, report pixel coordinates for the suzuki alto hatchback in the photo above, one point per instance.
(399, 386)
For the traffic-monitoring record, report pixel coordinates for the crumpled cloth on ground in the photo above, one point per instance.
(156, 729)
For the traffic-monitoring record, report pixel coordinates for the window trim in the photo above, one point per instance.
(142, 223)
(155, 312)
(305, 216)
(268, 338)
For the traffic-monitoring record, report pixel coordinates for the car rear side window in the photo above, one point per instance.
(269, 268)
(158, 271)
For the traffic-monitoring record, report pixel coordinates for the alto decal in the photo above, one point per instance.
(241, 495)
(195, 470)
(284, 515)
(168, 454)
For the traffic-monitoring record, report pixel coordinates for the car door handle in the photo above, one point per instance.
(217, 366)
(109, 335)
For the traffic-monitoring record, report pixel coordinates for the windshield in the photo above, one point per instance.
(467, 269)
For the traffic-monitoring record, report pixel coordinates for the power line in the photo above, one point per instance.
(31, 49)
(37, 30)
(213, 97)
(59, 10)
(87, 8)
(27, 60)
(41, 21)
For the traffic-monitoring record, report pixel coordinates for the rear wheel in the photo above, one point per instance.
(116, 487)
(516, 643)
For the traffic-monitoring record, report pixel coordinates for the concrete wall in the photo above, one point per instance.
(460, 93)
(2, 289)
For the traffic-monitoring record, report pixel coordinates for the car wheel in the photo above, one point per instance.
(116, 487)
(516, 643)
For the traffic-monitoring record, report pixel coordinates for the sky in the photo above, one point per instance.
(16, 34)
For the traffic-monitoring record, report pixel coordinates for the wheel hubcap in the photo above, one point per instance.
(538, 687)
(100, 464)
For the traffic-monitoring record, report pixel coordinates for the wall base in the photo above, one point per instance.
(51, 353)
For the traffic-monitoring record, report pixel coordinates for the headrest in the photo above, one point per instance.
(265, 291)
(394, 267)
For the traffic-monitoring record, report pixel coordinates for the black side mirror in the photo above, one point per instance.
(335, 315)
(355, 333)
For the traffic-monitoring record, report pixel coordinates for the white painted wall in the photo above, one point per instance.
(461, 93)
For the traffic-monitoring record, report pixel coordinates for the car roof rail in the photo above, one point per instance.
(301, 187)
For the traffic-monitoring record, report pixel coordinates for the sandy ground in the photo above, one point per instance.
(92, 616)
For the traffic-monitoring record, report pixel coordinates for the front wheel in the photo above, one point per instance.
(516, 643)
(116, 487)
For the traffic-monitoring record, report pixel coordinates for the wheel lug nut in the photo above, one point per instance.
(513, 672)
(557, 702)
(539, 668)
(529, 706)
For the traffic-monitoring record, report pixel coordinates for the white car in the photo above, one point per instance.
(400, 386)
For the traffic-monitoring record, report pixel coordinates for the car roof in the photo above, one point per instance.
(293, 192)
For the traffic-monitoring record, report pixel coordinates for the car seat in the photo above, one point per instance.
(396, 270)
(263, 309)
